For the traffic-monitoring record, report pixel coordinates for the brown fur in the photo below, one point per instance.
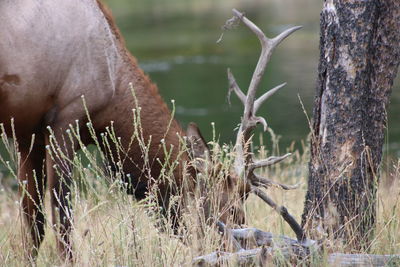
(49, 109)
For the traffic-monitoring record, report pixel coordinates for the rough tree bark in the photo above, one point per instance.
(359, 59)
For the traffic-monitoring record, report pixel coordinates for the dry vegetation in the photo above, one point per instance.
(112, 229)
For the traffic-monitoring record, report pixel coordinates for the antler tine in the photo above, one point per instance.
(266, 162)
(267, 47)
(258, 72)
(264, 182)
(278, 39)
(254, 28)
(251, 104)
(233, 86)
(265, 96)
(283, 212)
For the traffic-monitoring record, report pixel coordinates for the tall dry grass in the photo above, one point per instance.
(112, 229)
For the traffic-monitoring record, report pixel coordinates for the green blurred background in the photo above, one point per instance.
(175, 43)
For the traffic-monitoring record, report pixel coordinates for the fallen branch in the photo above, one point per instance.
(262, 256)
(344, 260)
(270, 247)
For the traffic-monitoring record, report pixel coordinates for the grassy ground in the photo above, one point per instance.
(111, 229)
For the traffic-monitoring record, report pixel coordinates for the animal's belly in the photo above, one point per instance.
(26, 106)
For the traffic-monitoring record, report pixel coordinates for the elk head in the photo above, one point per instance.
(220, 189)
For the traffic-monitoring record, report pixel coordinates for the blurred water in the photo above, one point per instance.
(175, 43)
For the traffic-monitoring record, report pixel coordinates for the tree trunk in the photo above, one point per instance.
(359, 58)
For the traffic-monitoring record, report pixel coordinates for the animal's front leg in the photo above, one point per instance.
(59, 172)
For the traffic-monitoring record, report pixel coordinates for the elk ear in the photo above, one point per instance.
(197, 145)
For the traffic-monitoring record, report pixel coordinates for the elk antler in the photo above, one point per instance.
(245, 164)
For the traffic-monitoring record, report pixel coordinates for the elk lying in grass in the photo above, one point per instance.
(64, 72)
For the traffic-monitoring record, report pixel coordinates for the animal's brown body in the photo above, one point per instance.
(52, 52)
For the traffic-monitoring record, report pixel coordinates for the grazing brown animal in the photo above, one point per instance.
(53, 52)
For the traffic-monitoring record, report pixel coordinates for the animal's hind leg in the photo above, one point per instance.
(32, 184)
